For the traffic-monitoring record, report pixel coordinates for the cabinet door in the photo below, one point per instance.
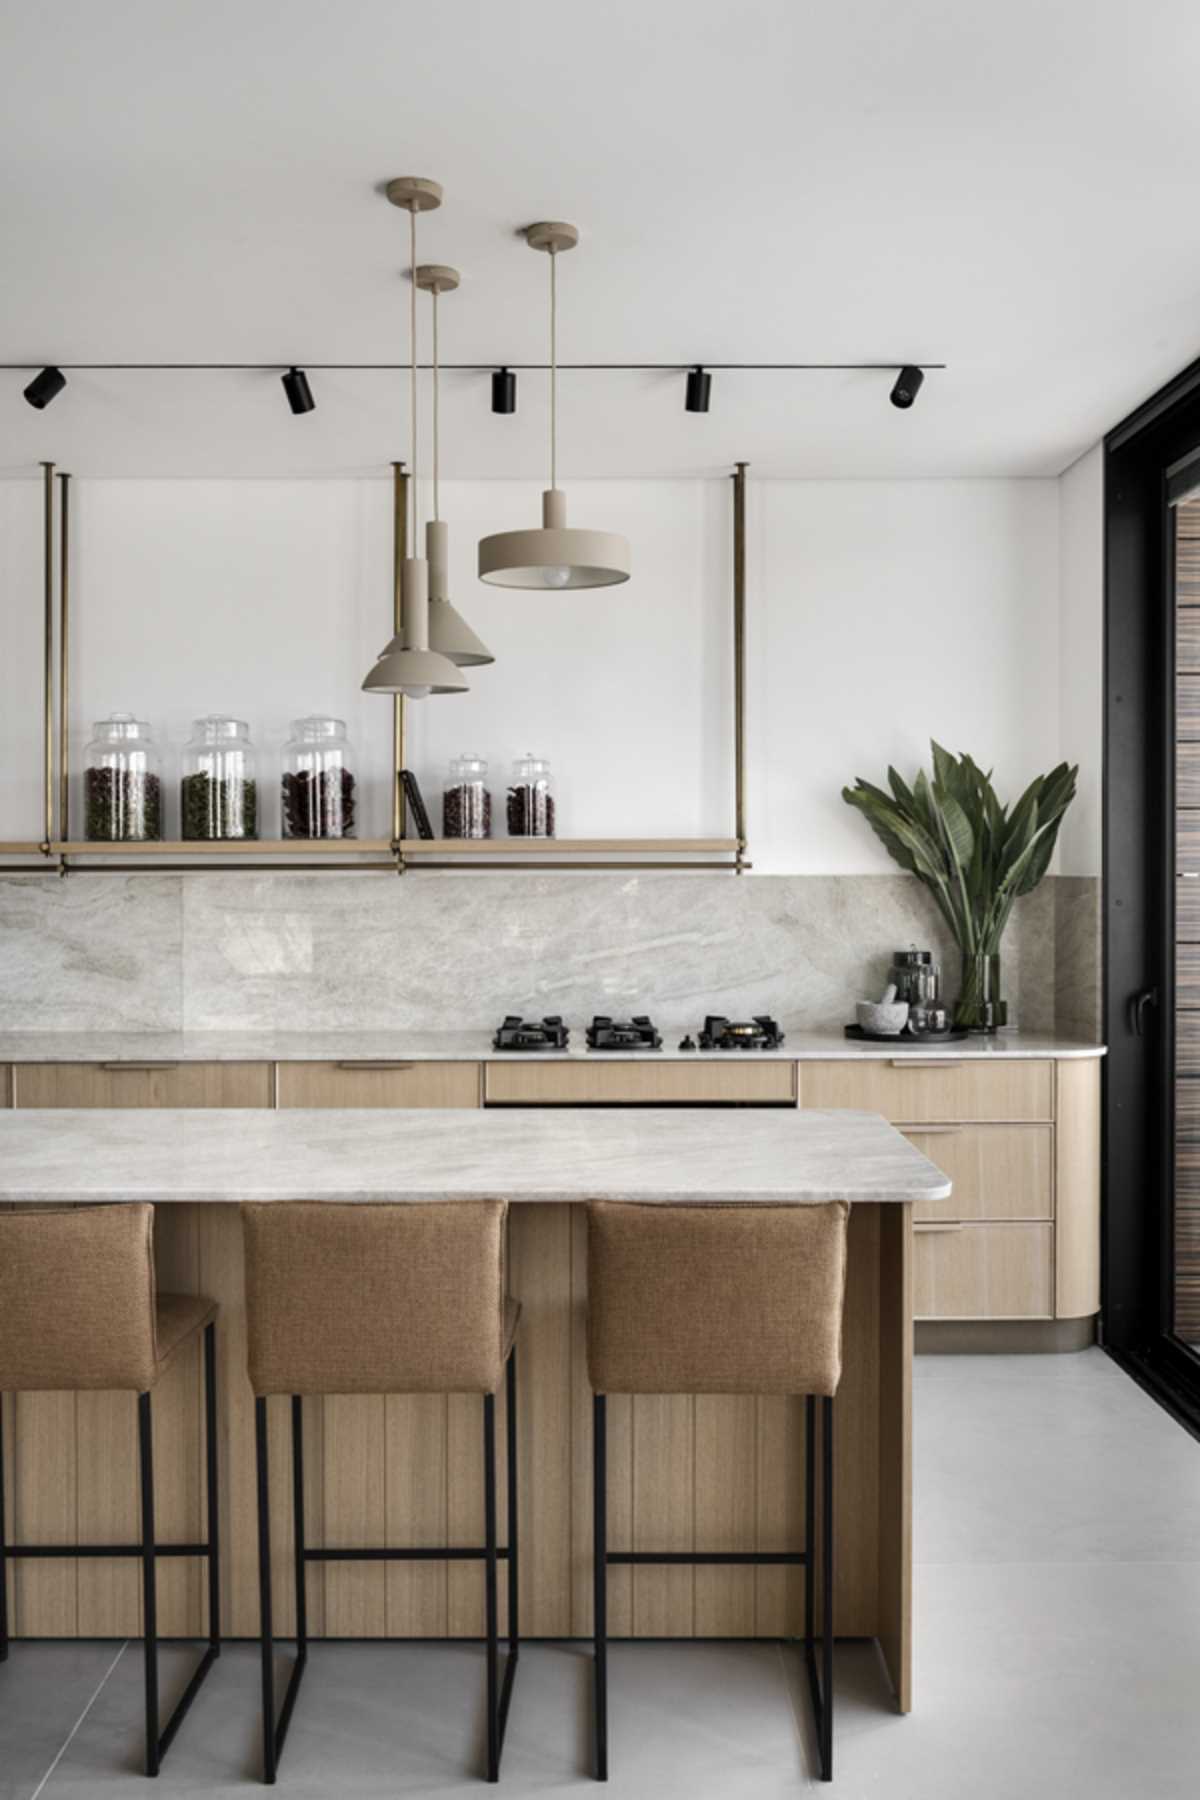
(983, 1271)
(915, 1090)
(737, 1081)
(143, 1084)
(391, 1084)
(998, 1171)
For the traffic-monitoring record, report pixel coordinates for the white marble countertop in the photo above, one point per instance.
(476, 1046)
(567, 1153)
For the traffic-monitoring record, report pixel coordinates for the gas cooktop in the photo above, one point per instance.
(516, 1033)
(759, 1033)
(637, 1033)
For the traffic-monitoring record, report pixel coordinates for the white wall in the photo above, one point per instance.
(1081, 654)
(880, 614)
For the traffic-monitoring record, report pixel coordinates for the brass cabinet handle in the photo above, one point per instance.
(120, 1068)
(931, 1130)
(380, 1066)
(912, 1062)
(950, 1225)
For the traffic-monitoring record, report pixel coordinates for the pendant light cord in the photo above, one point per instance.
(412, 358)
(437, 511)
(553, 367)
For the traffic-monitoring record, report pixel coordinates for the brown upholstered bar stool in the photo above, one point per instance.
(381, 1299)
(79, 1310)
(719, 1300)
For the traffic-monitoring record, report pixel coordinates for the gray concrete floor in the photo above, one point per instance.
(1058, 1652)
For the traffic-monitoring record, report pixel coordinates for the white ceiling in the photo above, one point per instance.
(1007, 189)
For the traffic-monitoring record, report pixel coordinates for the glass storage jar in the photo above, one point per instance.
(218, 795)
(318, 793)
(915, 976)
(122, 786)
(531, 799)
(466, 802)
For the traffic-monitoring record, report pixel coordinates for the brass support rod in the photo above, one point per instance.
(399, 714)
(739, 660)
(64, 641)
(48, 654)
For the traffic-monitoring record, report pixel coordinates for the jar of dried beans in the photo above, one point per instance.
(319, 787)
(122, 787)
(466, 802)
(531, 799)
(218, 794)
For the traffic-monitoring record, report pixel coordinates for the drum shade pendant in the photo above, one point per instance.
(557, 555)
(408, 666)
(449, 633)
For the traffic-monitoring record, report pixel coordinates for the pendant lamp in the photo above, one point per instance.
(408, 666)
(557, 555)
(449, 633)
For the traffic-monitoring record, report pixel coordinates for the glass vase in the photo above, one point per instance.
(977, 1009)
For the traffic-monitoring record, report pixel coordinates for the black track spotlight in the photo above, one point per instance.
(44, 387)
(504, 391)
(699, 389)
(299, 394)
(908, 386)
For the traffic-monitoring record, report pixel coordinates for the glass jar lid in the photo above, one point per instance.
(217, 728)
(316, 726)
(122, 726)
(531, 768)
(468, 767)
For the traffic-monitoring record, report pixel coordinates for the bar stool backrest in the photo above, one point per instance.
(77, 1298)
(375, 1299)
(716, 1299)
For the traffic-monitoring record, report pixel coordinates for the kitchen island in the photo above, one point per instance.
(685, 1472)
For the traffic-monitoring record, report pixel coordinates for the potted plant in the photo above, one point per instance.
(974, 855)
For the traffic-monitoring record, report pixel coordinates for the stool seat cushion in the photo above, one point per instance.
(78, 1306)
(376, 1299)
(716, 1299)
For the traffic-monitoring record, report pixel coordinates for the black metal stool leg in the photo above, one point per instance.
(3, 1550)
(827, 1592)
(265, 1622)
(600, 1583)
(489, 1509)
(213, 1497)
(298, 1540)
(810, 1520)
(149, 1584)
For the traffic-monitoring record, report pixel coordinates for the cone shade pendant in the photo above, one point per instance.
(408, 666)
(449, 633)
(557, 555)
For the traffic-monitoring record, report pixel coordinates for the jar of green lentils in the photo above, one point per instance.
(218, 793)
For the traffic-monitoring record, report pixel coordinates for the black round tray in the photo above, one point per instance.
(903, 1041)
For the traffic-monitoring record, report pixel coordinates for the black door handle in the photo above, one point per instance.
(1136, 1009)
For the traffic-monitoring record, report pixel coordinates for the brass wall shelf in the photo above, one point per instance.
(60, 854)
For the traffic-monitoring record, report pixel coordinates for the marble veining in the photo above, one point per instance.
(554, 1154)
(346, 952)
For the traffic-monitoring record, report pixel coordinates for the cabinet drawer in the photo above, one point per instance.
(379, 1084)
(142, 1084)
(983, 1271)
(998, 1171)
(914, 1091)
(596, 1083)
(5, 1085)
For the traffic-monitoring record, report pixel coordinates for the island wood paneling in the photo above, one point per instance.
(391, 1469)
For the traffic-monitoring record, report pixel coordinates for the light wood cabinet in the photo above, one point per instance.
(595, 1083)
(392, 1084)
(998, 1171)
(1019, 1236)
(136, 1084)
(988, 1271)
(919, 1090)
(5, 1085)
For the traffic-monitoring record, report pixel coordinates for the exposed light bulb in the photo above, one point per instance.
(418, 692)
(556, 577)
